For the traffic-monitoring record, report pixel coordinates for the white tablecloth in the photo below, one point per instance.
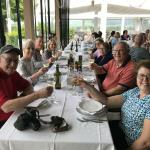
(81, 136)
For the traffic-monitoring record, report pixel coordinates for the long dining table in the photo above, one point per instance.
(80, 136)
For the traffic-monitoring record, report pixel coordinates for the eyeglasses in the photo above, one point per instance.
(143, 76)
(103, 49)
(9, 60)
(117, 50)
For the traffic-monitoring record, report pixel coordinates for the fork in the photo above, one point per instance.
(90, 120)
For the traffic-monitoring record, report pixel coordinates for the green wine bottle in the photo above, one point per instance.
(80, 62)
(57, 75)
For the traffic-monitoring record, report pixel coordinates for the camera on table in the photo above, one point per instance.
(29, 119)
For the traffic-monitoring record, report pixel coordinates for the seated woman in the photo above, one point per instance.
(26, 66)
(138, 52)
(94, 53)
(115, 39)
(51, 52)
(135, 109)
(87, 43)
(104, 54)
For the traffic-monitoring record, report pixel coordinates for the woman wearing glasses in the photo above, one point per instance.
(135, 110)
(104, 54)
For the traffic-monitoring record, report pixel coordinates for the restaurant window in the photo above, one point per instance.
(145, 23)
(44, 18)
(83, 17)
(113, 24)
(42, 15)
(10, 11)
(130, 25)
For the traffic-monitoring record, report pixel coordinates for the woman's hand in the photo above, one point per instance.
(42, 70)
(59, 54)
(51, 60)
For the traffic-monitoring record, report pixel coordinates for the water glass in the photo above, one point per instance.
(51, 82)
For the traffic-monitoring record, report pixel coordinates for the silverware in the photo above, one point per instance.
(90, 120)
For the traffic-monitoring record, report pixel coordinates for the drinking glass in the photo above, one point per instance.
(76, 89)
(46, 65)
(51, 82)
(91, 61)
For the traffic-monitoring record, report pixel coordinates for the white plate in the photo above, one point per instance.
(90, 106)
(90, 114)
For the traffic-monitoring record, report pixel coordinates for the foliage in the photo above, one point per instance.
(13, 9)
(12, 37)
(71, 33)
(38, 28)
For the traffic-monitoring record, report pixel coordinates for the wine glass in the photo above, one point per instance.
(76, 89)
(46, 65)
(91, 60)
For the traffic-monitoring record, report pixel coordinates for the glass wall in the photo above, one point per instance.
(145, 24)
(83, 17)
(113, 24)
(44, 13)
(10, 21)
(52, 15)
(130, 24)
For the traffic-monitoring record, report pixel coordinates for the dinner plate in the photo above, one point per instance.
(90, 114)
(90, 106)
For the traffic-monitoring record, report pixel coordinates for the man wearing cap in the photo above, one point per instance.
(11, 83)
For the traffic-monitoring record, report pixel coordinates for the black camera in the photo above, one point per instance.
(29, 119)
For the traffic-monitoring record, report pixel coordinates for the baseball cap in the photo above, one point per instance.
(9, 48)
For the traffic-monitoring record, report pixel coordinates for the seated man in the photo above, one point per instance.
(37, 57)
(11, 82)
(120, 71)
(38, 52)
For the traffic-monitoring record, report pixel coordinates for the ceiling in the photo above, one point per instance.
(111, 8)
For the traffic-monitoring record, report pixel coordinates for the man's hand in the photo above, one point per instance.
(93, 66)
(79, 81)
(45, 92)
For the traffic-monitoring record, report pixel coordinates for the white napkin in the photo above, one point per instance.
(37, 102)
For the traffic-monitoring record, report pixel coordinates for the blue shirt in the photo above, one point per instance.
(133, 113)
(104, 59)
(139, 53)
